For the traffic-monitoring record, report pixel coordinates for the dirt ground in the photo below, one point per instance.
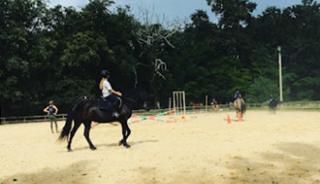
(281, 148)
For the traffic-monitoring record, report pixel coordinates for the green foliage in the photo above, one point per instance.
(57, 53)
(261, 89)
(233, 13)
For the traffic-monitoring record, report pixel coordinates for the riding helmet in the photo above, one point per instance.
(105, 73)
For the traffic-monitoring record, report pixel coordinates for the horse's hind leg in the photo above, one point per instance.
(239, 115)
(73, 131)
(125, 133)
(87, 127)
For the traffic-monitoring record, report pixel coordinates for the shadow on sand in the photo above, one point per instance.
(75, 173)
(114, 144)
(291, 163)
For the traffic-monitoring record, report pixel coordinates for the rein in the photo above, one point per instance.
(128, 99)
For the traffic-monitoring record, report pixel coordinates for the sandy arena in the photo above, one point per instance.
(281, 148)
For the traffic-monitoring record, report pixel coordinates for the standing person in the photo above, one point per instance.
(52, 111)
(108, 93)
(214, 104)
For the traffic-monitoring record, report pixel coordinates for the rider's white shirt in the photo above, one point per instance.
(106, 89)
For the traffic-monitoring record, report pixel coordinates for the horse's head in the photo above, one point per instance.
(140, 99)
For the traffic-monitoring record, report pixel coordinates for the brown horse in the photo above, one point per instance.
(240, 107)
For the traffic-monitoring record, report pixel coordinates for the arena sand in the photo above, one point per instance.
(281, 148)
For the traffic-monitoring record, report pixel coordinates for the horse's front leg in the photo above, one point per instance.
(121, 142)
(87, 127)
(125, 134)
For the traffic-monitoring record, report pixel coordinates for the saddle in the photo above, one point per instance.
(109, 104)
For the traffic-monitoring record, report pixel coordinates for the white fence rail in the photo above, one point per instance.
(28, 119)
(314, 105)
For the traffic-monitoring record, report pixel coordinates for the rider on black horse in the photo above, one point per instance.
(273, 103)
(111, 100)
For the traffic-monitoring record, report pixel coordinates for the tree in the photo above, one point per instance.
(20, 24)
(57, 53)
(233, 13)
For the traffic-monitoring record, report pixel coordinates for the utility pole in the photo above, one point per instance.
(280, 73)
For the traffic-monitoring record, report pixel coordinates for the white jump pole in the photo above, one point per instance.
(179, 102)
(184, 103)
(280, 74)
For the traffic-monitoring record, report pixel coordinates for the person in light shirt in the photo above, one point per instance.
(52, 111)
(108, 93)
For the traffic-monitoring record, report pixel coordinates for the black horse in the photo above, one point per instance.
(273, 103)
(87, 111)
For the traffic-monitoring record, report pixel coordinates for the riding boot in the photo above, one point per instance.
(115, 113)
(116, 104)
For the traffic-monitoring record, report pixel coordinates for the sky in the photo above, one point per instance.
(169, 11)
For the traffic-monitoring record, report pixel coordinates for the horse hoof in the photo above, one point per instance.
(120, 142)
(126, 145)
(93, 148)
(69, 150)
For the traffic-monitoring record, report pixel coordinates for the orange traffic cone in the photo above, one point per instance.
(228, 119)
(152, 117)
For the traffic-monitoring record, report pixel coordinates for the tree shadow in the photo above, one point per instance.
(75, 173)
(291, 163)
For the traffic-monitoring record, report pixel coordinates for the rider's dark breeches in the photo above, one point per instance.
(114, 101)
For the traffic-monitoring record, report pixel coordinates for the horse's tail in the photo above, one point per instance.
(67, 127)
(243, 107)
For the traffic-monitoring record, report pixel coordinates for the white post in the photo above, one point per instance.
(179, 102)
(184, 103)
(174, 102)
(206, 102)
(280, 73)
